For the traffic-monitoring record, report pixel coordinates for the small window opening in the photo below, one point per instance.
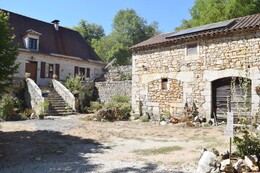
(192, 49)
(164, 84)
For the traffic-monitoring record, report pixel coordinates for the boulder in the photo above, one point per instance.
(241, 167)
(208, 163)
(252, 162)
(197, 119)
(226, 166)
(238, 164)
(163, 123)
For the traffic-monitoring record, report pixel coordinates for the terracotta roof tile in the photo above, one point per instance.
(64, 41)
(242, 23)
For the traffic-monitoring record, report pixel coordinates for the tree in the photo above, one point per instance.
(109, 48)
(132, 28)
(127, 29)
(210, 11)
(8, 52)
(89, 31)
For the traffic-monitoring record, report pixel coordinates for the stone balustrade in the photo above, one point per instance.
(36, 98)
(65, 94)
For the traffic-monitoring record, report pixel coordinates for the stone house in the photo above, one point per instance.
(46, 49)
(197, 66)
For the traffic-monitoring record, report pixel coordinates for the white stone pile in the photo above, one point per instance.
(212, 162)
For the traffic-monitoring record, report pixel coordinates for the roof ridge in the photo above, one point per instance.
(49, 23)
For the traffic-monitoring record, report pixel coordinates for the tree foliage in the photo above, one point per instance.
(127, 29)
(8, 52)
(89, 31)
(210, 11)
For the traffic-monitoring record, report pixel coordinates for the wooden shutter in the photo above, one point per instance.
(76, 70)
(88, 73)
(43, 64)
(57, 70)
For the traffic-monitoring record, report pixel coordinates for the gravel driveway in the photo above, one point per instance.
(72, 144)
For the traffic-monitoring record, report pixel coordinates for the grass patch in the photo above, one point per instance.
(155, 151)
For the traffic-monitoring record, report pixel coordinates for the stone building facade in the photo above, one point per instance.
(46, 49)
(172, 69)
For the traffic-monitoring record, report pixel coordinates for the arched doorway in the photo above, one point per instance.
(231, 94)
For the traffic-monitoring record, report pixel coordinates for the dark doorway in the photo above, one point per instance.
(31, 67)
(235, 98)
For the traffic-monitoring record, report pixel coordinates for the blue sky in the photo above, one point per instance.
(168, 13)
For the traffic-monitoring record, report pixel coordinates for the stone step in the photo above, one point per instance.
(59, 110)
(61, 113)
(57, 106)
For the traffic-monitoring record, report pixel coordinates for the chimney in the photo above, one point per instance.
(56, 24)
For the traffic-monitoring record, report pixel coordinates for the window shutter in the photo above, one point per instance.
(43, 64)
(76, 70)
(57, 70)
(88, 73)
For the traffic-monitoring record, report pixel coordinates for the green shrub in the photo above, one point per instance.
(95, 106)
(120, 98)
(248, 144)
(144, 118)
(85, 90)
(26, 113)
(73, 84)
(8, 107)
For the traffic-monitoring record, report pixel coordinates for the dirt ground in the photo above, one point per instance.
(72, 144)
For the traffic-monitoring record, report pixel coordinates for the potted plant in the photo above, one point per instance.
(44, 108)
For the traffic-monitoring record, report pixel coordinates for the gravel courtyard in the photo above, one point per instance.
(72, 144)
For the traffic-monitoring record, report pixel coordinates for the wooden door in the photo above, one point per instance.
(31, 67)
(227, 98)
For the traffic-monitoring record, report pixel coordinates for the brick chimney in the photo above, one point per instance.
(56, 24)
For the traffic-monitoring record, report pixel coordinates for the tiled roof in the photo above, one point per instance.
(64, 42)
(240, 24)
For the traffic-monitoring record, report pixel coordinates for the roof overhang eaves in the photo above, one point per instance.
(186, 38)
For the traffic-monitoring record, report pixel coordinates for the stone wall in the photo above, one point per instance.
(119, 72)
(115, 83)
(217, 58)
(107, 90)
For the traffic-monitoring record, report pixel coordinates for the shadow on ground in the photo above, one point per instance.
(149, 167)
(46, 151)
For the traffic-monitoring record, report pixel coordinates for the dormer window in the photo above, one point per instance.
(33, 44)
(31, 40)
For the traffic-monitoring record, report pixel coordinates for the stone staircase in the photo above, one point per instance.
(57, 106)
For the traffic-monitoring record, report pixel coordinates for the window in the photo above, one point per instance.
(191, 49)
(165, 84)
(50, 72)
(88, 73)
(84, 72)
(32, 44)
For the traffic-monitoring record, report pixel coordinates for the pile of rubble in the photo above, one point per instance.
(213, 162)
(189, 117)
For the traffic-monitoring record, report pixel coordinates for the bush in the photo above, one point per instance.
(73, 84)
(8, 107)
(144, 118)
(248, 144)
(26, 113)
(95, 106)
(120, 98)
(85, 90)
